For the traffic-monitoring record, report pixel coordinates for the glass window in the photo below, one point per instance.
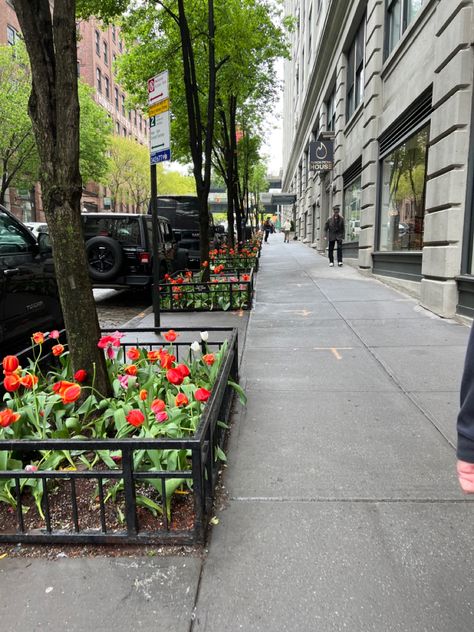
(99, 80)
(355, 70)
(13, 238)
(331, 111)
(400, 13)
(12, 34)
(114, 34)
(123, 104)
(117, 127)
(125, 230)
(107, 87)
(106, 53)
(97, 42)
(116, 95)
(403, 195)
(352, 196)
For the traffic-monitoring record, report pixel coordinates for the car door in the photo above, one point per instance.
(29, 299)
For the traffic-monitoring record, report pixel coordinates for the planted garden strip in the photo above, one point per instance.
(227, 290)
(183, 520)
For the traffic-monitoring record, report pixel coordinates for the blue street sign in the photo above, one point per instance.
(160, 156)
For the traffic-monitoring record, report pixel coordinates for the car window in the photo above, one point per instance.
(125, 230)
(166, 234)
(13, 237)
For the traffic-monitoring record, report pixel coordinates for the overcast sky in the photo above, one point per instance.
(273, 146)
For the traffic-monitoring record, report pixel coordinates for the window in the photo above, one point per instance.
(13, 237)
(135, 117)
(12, 35)
(114, 34)
(98, 75)
(403, 195)
(352, 197)
(399, 15)
(106, 53)
(123, 104)
(141, 121)
(331, 111)
(107, 87)
(97, 42)
(124, 131)
(355, 71)
(120, 45)
(117, 128)
(116, 98)
(310, 29)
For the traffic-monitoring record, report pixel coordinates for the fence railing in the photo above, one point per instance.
(235, 292)
(69, 523)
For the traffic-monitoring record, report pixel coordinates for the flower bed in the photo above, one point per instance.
(226, 290)
(232, 258)
(136, 467)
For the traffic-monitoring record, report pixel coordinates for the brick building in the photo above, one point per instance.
(98, 47)
(390, 84)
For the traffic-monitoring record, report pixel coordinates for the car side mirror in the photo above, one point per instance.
(44, 243)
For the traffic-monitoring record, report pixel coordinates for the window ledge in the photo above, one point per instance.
(407, 38)
(356, 116)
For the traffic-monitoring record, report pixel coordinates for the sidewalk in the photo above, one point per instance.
(344, 512)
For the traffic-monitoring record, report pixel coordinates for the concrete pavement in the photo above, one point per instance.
(344, 512)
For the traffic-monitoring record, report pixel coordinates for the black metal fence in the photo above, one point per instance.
(236, 292)
(237, 262)
(69, 526)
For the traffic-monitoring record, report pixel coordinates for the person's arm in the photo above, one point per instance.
(465, 425)
(326, 229)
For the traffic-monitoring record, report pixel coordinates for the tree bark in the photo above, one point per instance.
(50, 40)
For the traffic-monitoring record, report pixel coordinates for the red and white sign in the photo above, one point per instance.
(158, 88)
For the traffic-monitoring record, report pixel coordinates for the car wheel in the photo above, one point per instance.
(105, 258)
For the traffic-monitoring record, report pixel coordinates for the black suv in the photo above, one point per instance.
(182, 211)
(29, 298)
(119, 249)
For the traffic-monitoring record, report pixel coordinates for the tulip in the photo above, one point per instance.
(80, 375)
(133, 354)
(31, 468)
(8, 417)
(202, 394)
(11, 382)
(28, 380)
(158, 405)
(135, 418)
(57, 350)
(181, 400)
(153, 356)
(166, 360)
(54, 334)
(143, 394)
(196, 346)
(183, 369)
(170, 335)
(161, 417)
(174, 376)
(38, 338)
(71, 394)
(209, 359)
(10, 363)
(204, 336)
(131, 369)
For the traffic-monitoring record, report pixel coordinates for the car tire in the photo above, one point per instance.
(105, 258)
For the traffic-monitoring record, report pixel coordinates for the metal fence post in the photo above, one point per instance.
(129, 490)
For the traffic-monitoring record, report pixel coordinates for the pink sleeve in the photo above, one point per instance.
(466, 476)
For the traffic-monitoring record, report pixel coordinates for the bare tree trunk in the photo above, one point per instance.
(54, 110)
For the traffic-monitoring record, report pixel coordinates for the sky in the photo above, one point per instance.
(273, 147)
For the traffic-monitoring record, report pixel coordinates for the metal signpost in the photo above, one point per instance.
(159, 117)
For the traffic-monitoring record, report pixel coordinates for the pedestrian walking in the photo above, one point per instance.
(465, 451)
(286, 230)
(335, 230)
(267, 228)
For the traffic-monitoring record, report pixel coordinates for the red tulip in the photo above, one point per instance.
(71, 393)
(80, 375)
(143, 394)
(174, 376)
(133, 354)
(153, 356)
(181, 400)
(209, 359)
(202, 394)
(10, 363)
(170, 335)
(8, 417)
(166, 360)
(131, 369)
(158, 405)
(28, 380)
(57, 350)
(11, 382)
(38, 337)
(183, 369)
(135, 418)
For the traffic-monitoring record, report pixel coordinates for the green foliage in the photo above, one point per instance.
(95, 136)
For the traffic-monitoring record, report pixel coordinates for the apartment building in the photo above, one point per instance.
(387, 86)
(98, 47)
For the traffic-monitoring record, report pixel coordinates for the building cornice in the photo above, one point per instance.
(332, 30)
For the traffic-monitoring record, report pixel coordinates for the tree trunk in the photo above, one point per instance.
(54, 110)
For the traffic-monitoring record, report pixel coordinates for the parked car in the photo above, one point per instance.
(119, 249)
(29, 299)
(182, 211)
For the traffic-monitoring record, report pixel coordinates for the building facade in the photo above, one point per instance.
(389, 85)
(97, 49)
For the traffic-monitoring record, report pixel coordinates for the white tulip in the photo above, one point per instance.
(196, 346)
(204, 335)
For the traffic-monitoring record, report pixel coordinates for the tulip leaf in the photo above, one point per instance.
(239, 390)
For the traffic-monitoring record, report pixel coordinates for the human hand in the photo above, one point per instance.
(466, 476)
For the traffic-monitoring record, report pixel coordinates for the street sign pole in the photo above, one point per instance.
(156, 245)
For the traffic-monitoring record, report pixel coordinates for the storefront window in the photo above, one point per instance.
(403, 195)
(352, 195)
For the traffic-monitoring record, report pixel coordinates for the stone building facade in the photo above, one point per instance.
(390, 84)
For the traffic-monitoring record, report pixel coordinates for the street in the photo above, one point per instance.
(116, 307)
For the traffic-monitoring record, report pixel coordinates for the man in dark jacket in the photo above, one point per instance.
(334, 230)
